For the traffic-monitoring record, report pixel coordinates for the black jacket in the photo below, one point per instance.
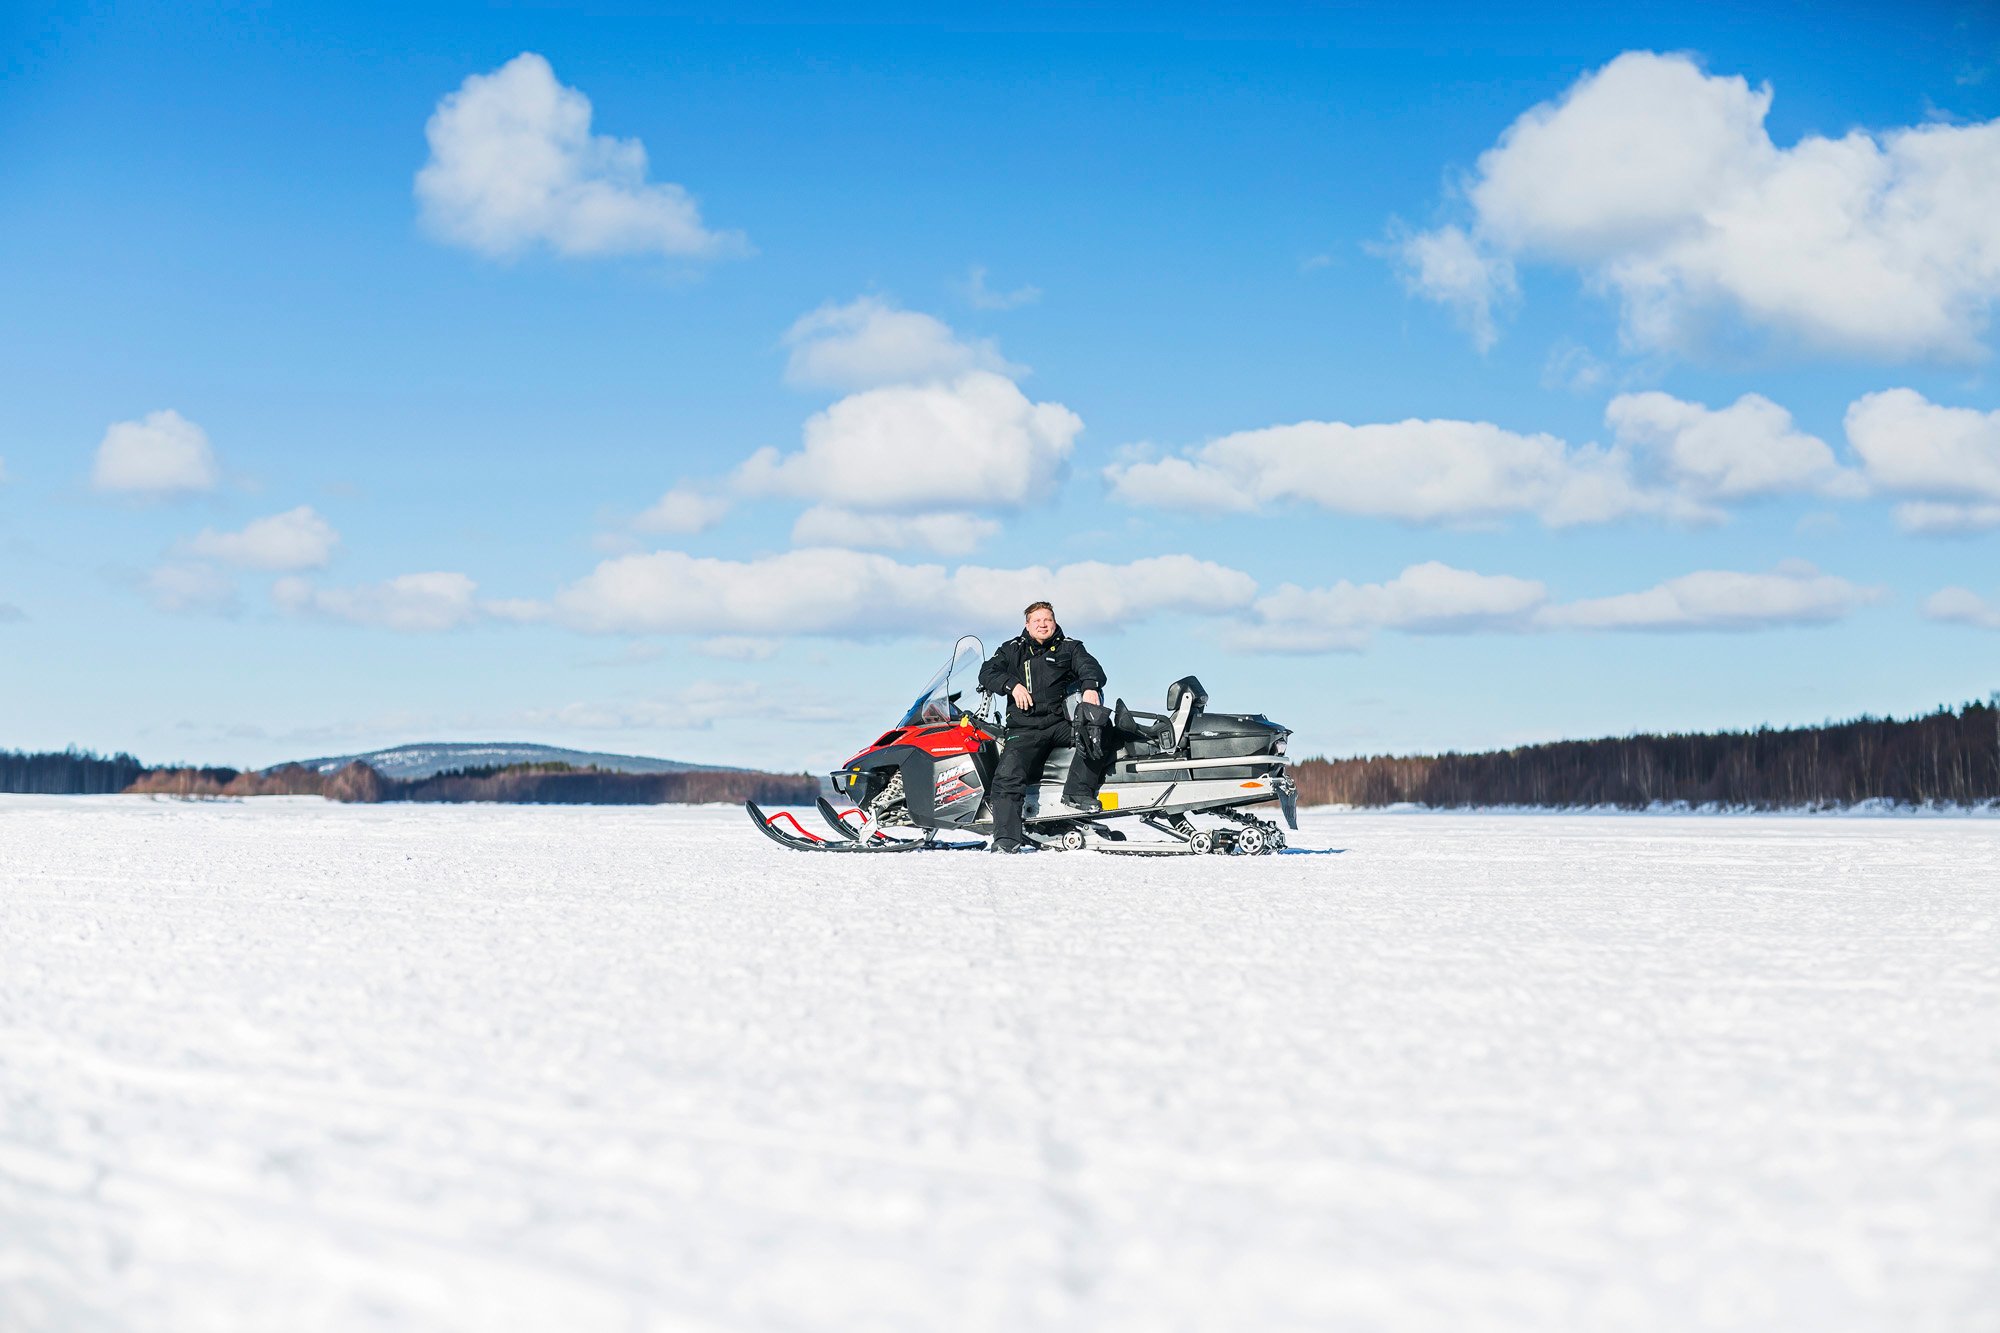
(1051, 671)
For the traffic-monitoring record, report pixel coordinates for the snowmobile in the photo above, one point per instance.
(930, 773)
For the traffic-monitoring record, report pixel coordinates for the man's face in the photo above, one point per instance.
(1041, 624)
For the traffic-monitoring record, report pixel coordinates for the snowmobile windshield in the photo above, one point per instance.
(940, 700)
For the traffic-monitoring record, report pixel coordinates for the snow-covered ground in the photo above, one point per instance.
(291, 1065)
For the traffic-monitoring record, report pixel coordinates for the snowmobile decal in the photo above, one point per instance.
(956, 785)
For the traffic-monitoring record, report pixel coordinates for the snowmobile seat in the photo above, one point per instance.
(1185, 699)
(1140, 735)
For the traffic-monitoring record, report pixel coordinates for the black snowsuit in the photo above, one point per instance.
(1052, 671)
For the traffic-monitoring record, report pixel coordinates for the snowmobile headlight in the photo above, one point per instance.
(1279, 748)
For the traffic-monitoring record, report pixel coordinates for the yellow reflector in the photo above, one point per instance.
(1108, 799)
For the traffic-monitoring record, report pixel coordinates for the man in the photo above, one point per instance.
(1038, 671)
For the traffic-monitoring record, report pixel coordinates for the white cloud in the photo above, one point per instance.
(1716, 599)
(683, 512)
(1445, 266)
(1431, 598)
(856, 595)
(1414, 471)
(1749, 448)
(191, 588)
(973, 442)
(982, 297)
(1572, 366)
(513, 163)
(294, 540)
(1962, 606)
(945, 532)
(412, 603)
(1435, 598)
(1661, 183)
(869, 342)
(162, 454)
(1913, 446)
(1943, 518)
(1668, 458)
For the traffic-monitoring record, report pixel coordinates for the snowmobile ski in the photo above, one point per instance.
(803, 839)
(838, 819)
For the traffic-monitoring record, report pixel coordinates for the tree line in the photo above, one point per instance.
(79, 773)
(70, 772)
(1951, 756)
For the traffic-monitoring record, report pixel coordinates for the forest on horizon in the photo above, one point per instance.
(1947, 757)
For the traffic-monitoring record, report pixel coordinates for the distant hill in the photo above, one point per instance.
(408, 762)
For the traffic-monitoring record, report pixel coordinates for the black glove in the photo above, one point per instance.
(1093, 732)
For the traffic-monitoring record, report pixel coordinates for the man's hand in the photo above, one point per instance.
(1022, 699)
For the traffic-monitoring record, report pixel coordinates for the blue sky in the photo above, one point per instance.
(1424, 376)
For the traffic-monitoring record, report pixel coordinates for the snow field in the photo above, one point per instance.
(289, 1064)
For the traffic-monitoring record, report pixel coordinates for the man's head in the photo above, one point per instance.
(1041, 621)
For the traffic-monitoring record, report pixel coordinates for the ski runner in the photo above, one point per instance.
(1038, 670)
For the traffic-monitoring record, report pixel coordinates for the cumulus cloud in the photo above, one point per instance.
(1415, 471)
(1435, 598)
(1941, 518)
(1948, 458)
(934, 435)
(1668, 458)
(869, 342)
(860, 595)
(946, 533)
(184, 589)
(513, 164)
(1749, 448)
(163, 453)
(294, 540)
(974, 442)
(1431, 598)
(683, 512)
(411, 603)
(1662, 185)
(1447, 267)
(982, 297)
(1716, 599)
(1962, 606)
